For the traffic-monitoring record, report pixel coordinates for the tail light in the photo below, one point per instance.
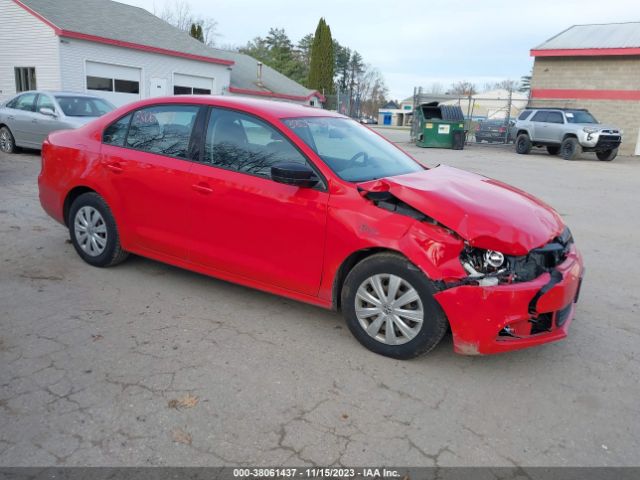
(503, 129)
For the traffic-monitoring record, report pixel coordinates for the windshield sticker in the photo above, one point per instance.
(569, 115)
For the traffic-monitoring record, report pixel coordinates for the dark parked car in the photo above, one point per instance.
(494, 131)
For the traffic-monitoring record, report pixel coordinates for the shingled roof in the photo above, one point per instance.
(115, 23)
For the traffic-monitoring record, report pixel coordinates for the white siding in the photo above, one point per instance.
(26, 42)
(75, 53)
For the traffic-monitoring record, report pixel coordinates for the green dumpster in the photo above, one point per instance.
(439, 126)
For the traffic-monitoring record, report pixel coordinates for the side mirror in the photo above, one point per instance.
(48, 112)
(298, 174)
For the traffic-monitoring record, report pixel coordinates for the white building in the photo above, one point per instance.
(122, 53)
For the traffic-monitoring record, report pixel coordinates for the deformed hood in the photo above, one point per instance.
(487, 213)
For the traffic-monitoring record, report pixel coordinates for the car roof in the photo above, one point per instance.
(558, 108)
(270, 108)
(60, 93)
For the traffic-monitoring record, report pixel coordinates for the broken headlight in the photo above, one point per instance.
(485, 266)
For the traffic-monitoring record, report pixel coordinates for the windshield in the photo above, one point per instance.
(353, 152)
(83, 106)
(579, 116)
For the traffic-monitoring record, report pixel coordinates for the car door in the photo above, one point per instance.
(243, 222)
(20, 120)
(540, 126)
(146, 157)
(43, 124)
(555, 128)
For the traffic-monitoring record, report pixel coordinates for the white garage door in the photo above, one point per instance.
(115, 83)
(192, 85)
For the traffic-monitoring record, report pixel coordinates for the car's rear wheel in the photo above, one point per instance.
(523, 144)
(93, 231)
(607, 155)
(389, 307)
(552, 150)
(7, 142)
(570, 148)
(479, 139)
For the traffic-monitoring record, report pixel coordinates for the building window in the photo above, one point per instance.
(99, 83)
(103, 84)
(180, 90)
(126, 86)
(25, 78)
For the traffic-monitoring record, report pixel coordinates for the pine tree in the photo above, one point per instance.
(322, 62)
(196, 32)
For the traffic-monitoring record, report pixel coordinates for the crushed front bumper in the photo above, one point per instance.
(502, 318)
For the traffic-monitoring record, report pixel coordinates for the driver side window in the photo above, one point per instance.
(240, 142)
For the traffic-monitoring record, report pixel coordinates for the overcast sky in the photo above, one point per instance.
(417, 43)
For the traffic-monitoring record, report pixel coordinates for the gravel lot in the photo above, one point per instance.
(146, 364)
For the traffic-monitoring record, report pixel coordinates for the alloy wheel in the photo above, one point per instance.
(6, 143)
(90, 231)
(389, 309)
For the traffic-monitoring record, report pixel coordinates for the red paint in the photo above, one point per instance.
(477, 314)
(563, 93)
(119, 43)
(487, 213)
(585, 52)
(262, 93)
(292, 241)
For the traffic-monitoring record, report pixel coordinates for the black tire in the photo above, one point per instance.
(7, 142)
(479, 139)
(553, 150)
(434, 324)
(113, 252)
(570, 148)
(523, 144)
(607, 155)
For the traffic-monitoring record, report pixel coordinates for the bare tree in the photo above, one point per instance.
(179, 14)
(463, 88)
(507, 84)
(436, 88)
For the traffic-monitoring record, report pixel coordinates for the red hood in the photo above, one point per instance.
(487, 213)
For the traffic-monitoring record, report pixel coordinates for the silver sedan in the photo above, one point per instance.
(27, 118)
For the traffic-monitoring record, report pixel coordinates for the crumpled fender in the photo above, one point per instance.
(487, 213)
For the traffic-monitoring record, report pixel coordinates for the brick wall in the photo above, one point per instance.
(594, 73)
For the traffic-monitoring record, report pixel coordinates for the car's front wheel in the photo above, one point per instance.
(570, 148)
(523, 144)
(607, 155)
(7, 142)
(389, 307)
(93, 231)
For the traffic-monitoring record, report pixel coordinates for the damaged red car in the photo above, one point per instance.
(310, 205)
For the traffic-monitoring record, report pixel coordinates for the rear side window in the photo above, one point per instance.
(524, 115)
(165, 129)
(540, 117)
(25, 102)
(115, 133)
(554, 117)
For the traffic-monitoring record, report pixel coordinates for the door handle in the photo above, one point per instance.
(34, 121)
(115, 167)
(11, 117)
(203, 188)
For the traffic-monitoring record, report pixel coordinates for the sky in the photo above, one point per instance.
(417, 43)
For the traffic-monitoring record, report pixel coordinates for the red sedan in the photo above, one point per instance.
(309, 204)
